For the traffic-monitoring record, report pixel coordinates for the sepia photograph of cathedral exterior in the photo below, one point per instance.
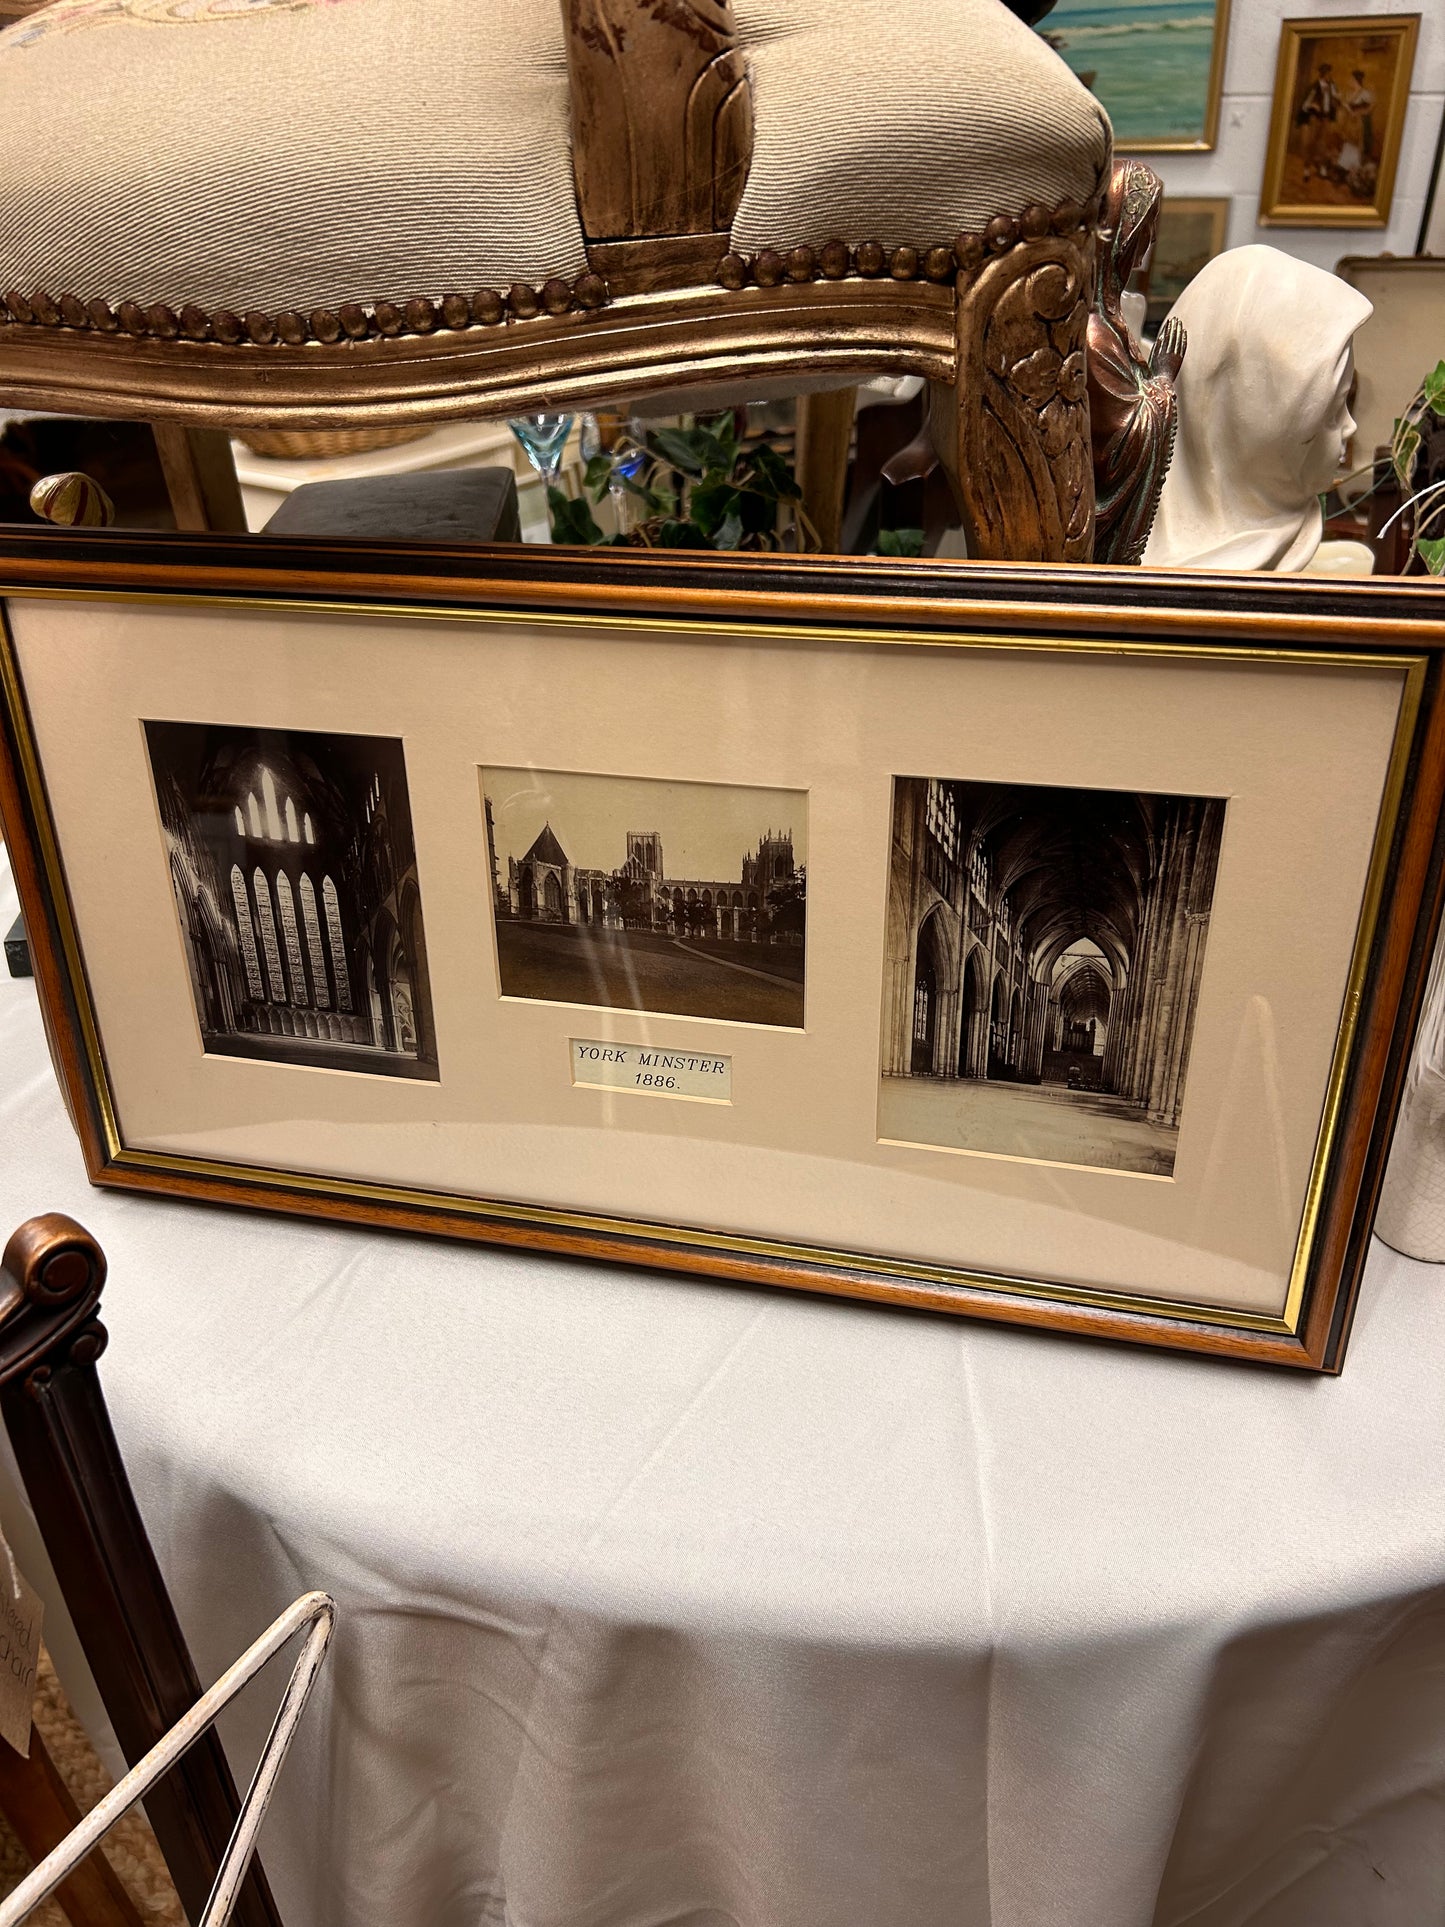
(294, 872)
(683, 898)
(1044, 949)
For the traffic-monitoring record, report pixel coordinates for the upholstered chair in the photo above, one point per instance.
(219, 214)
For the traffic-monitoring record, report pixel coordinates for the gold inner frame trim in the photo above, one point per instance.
(862, 1265)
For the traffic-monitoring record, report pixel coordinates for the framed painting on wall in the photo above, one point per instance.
(1156, 65)
(1341, 91)
(1399, 343)
(1025, 944)
(1191, 232)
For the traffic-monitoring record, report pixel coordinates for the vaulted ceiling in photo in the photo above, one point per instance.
(1071, 863)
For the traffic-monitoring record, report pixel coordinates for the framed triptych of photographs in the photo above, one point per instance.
(1033, 947)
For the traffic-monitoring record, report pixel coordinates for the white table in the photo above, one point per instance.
(674, 1605)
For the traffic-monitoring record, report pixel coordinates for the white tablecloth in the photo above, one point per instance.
(666, 1604)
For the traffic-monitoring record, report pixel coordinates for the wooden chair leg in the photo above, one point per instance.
(54, 1412)
(200, 474)
(39, 1806)
(1013, 431)
(825, 429)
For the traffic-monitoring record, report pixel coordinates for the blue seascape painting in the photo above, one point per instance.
(1147, 60)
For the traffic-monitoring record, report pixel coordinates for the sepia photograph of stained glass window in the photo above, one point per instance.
(294, 873)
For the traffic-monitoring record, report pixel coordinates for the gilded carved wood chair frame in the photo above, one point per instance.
(995, 319)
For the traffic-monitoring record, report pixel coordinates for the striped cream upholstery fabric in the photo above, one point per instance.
(284, 155)
(902, 121)
(300, 153)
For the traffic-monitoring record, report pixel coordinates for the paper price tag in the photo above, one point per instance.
(21, 1614)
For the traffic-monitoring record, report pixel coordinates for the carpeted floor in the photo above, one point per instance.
(130, 1846)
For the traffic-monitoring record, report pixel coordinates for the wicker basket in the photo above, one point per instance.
(321, 444)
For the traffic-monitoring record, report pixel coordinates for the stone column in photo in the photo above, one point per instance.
(1037, 1016)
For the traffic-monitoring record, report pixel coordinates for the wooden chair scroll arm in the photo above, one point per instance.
(54, 1411)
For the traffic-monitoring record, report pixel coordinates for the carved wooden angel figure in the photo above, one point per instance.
(1132, 405)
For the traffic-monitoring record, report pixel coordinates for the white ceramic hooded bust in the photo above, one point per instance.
(1263, 413)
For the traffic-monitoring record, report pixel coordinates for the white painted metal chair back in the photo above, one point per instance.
(316, 1612)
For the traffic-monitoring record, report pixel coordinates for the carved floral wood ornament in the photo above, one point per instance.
(662, 126)
(1022, 409)
(662, 118)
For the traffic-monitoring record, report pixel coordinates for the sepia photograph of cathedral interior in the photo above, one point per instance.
(1044, 950)
(683, 898)
(294, 872)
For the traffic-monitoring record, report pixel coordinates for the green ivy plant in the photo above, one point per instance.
(1429, 398)
(900, 542)
(701, 489)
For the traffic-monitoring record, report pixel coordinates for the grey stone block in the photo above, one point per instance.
(439, 505)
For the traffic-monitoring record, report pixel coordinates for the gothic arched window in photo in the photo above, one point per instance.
(246, 931)
(295, 875)
(1045, 949)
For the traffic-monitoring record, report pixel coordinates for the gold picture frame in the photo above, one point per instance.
(1341, 93)
(1014, 692)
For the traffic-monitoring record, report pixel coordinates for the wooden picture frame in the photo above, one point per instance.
(1149, 65)
(1341, 93)
(1397, 345)
(1192, 230)
(1250, 770)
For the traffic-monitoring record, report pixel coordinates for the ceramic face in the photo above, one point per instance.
(1325, 457)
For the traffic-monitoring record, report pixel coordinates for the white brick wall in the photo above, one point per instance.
(1236, 165)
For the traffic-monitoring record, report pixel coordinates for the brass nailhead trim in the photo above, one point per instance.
(835, 260)
(490, 307)
(487, 308)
